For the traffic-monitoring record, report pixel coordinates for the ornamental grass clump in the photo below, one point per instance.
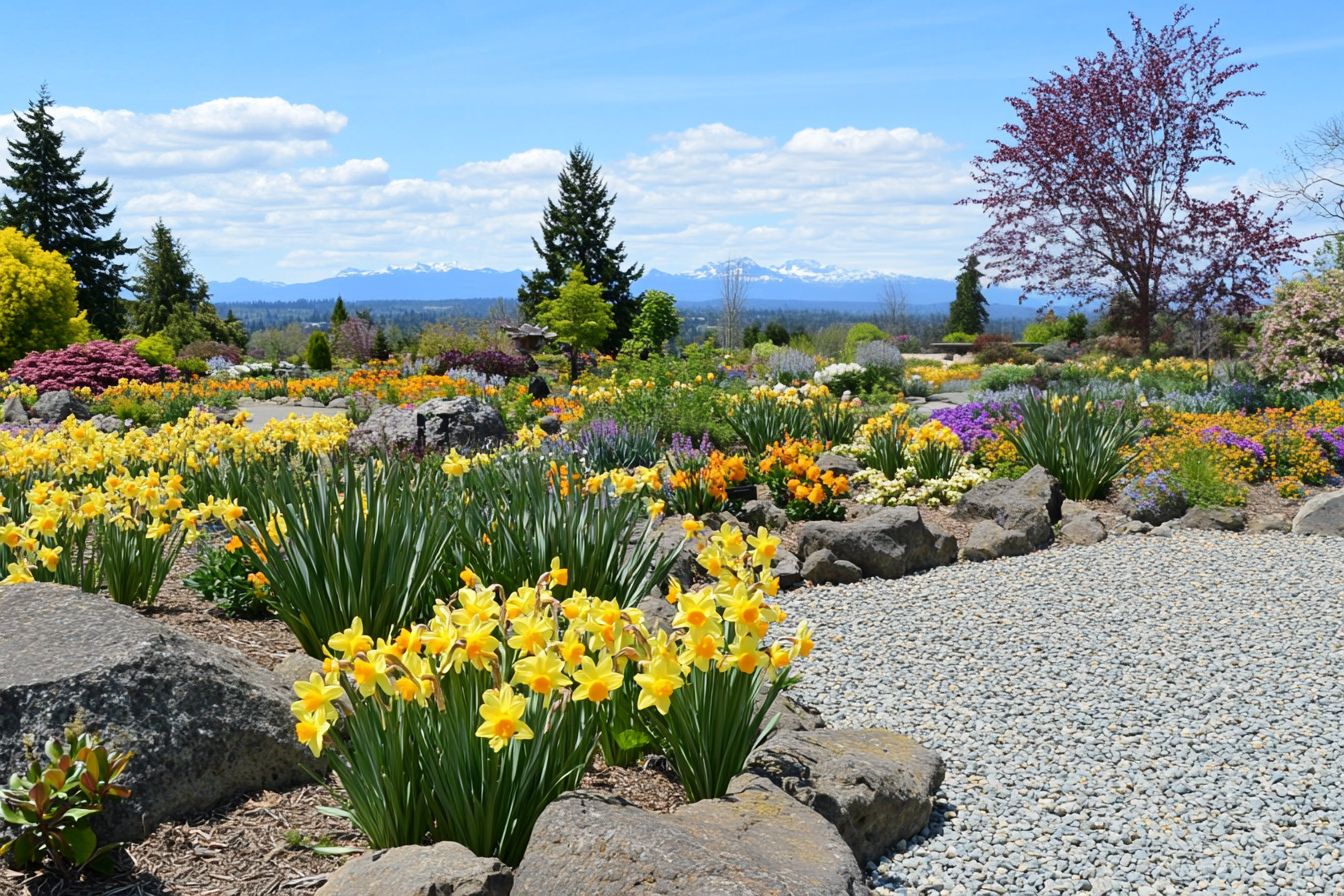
(466, 726)
(509, 509)
(368, 539)
(768, 416)
(1085, 444)
(934, 451)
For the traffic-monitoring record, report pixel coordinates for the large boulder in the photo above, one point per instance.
(875, 786)
(14, 412)
(388, 429)
(465, 423)
(1030, 505)
(1153, 503)
(1323, 514)
(888, 543)
(1271, 522)
(990, 541)
(53, 407)
(205, 723)
(756, 841)
(443, 869)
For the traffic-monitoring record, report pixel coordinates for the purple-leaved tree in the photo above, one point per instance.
(1090, 197)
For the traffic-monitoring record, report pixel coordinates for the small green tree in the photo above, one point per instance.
(578, 315)
(382, 349)
(38, 310)
(319, 351)
(338, 315)
(970, 310)
(751, 335)
(656, 324)
(777, 333)
(860, 333)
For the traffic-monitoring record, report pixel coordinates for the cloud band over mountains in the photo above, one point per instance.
(258, 187)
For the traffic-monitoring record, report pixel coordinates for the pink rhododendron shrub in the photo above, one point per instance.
(1300, 342)
(93, 365)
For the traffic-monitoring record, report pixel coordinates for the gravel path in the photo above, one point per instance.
(1148, 716)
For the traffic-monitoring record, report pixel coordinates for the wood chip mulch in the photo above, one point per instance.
(254, 846)
(264, 641)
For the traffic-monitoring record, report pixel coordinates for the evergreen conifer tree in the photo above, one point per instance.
(576, 232)
(970, 309)
(165, 284)
(49, 202)
(338, 315)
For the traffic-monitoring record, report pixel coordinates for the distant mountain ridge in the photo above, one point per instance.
(791, 283)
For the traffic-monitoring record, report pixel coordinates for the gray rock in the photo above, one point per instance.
(829, 461)
(205, 723)
(888, 544)
(1223, 519)
(294, 667)
(1321, 515)
(824, 568)
(1070, 509)
(1133, 527)
(53, 407)
(658, 613)
(388, 428)
(1269, 522)
(717, 519)
(1166, 530)
(107, 423)
(875, 786)
(671, 537)
(951, 398)
(764, 512)
(756, 841)
(1083, 528)
(465, 423)
(787, 569)
(990, 541)
(339, 403)
(1040, 486)
(306, 402)
(443, 869)
(550, 424)
(1158, 509)
(1031, 504)
(794, 715)
(14, 411)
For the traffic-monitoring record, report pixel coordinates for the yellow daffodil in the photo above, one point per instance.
(502, 717)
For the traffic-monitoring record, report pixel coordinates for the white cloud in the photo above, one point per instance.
(256, 187)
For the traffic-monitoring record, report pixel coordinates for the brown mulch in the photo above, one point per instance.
(255, 845)
(264, 641)
(650, 785)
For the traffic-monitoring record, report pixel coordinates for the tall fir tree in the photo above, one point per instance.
(970, 309)
(49, 202)
(338, 315)
(576, 232)
(165, 283)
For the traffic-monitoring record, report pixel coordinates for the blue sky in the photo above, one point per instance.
(288, 140)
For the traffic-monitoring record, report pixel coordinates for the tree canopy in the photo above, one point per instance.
(578, 315)
(50, 202)
(576, 230)
(171, 298)
(1089, 192)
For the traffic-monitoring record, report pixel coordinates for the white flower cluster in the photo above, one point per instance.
(906, 487)
(827, 374)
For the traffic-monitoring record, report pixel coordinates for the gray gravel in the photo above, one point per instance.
(1148, 716)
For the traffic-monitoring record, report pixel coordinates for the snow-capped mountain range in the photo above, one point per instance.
(791, 283)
